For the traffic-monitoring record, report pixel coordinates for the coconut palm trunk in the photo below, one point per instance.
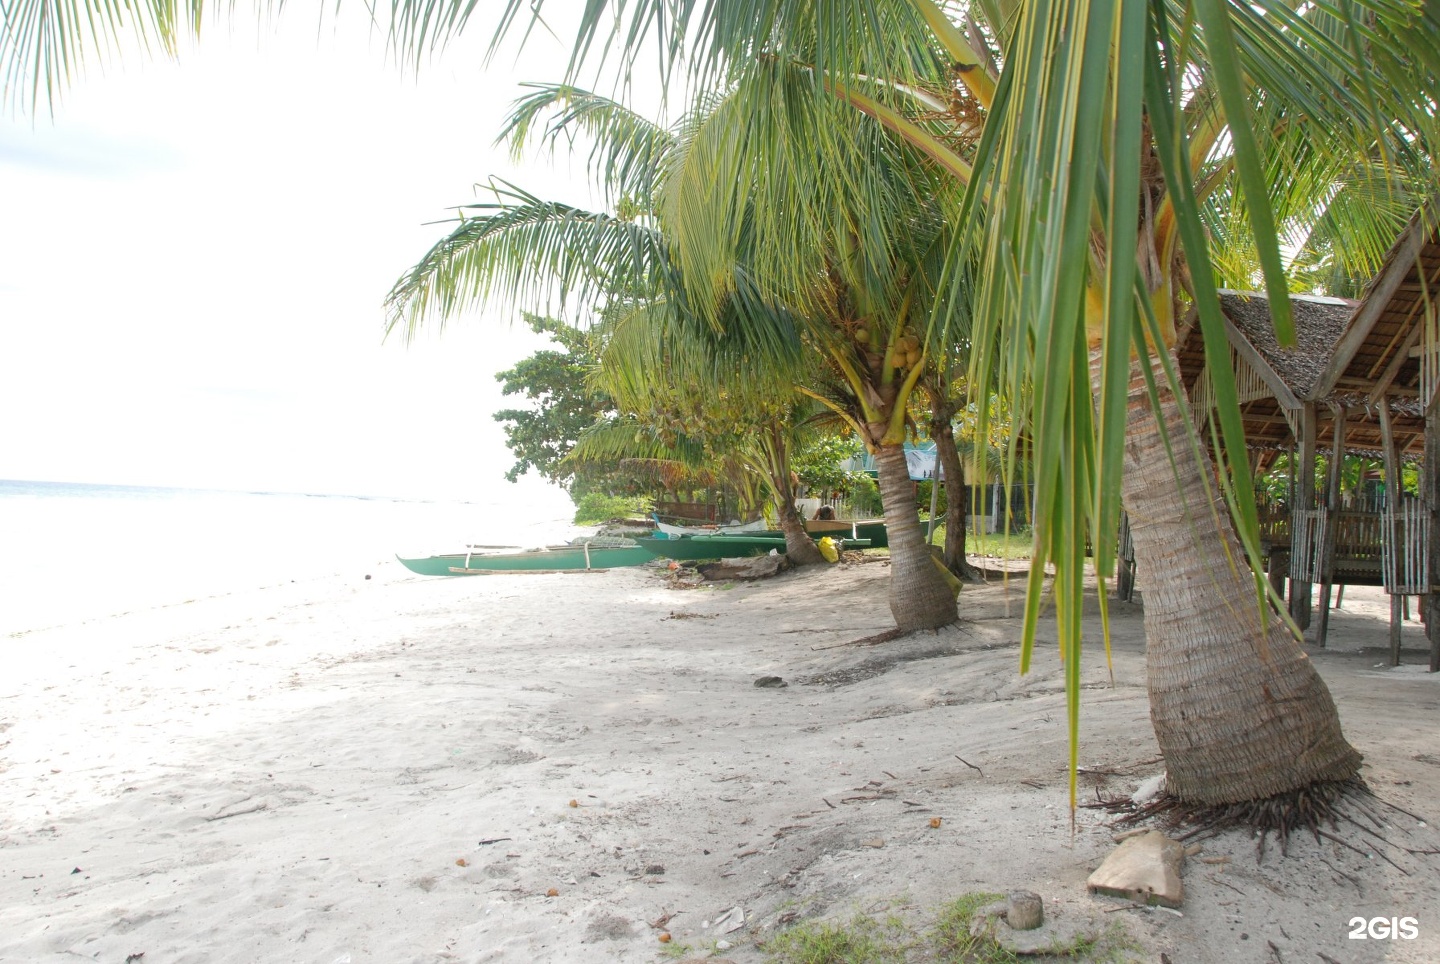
(919, 596)
(800, 549)
(1239, 711)
(957, 496)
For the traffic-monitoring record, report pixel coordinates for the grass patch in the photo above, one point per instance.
(864, 940)
(675, 950)
(871, 939)
(1114, 946)
(950, 937)
(996, 545)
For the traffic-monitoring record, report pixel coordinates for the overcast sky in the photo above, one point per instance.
(193, 257)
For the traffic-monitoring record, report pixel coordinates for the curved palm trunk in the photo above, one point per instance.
(919, 595)
(800, 549)
(957, 499)
(1239, 711)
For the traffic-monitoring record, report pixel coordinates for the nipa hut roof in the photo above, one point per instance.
(1280, 381)
(1318, 324)
(1380, 354)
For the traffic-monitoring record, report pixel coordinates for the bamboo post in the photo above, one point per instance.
(1125, 563)
(1332, 523)
(1392, 499)
(934, 499)
(1430, 492)
(1300, 589)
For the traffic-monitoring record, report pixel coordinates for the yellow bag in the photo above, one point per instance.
(829, 550)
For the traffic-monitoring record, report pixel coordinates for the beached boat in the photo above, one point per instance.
(690, 548)
(575, 557)
(739, 528)
(872, 529)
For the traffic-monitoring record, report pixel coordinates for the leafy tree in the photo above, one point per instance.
(721, 383)
(819, 462)
(844, 224)
(563, 403)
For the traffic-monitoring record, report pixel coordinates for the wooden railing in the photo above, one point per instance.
(1358, 546)
(1406, 553)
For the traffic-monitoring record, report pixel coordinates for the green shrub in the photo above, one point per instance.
(597, 507)
(864, 496)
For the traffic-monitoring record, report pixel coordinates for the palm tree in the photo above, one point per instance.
(845, 225)
(689, 382)
(694, 198)
(727, 387)
(945, 404)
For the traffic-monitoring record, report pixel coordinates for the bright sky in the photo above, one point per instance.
(193, 258)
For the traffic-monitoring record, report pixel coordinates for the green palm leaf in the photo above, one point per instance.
(523, 250)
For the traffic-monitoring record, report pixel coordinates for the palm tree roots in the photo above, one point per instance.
(1323, 810)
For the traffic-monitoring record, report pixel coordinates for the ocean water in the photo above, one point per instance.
(71, 552)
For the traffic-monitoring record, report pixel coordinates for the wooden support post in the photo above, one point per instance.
(1332, 520)
(1279, 568)
(1125, 575)
(1300, 590)
(1393, 537)
(1430, 492)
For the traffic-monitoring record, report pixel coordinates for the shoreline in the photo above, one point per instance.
(297, 774)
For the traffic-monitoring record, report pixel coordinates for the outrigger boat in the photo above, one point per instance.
(849, 529)
(691, 548)
(585, 555)
(872, 529)
(678, 531)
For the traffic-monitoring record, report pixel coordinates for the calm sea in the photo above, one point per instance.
(70, 552)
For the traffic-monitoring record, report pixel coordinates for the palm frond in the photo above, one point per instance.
(45, 43)
(521, 250)
(627, 150)
(628, 439)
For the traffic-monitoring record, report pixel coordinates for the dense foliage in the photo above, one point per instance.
(562, 403)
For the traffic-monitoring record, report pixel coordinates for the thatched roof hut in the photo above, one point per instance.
(1367, 371)
(1277, 384)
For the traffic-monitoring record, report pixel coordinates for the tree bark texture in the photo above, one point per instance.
(800, 549)
(799, 546)
(1239, 711)
(919, 595)
(957, 499)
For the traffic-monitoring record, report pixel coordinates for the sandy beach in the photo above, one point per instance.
(564, 767)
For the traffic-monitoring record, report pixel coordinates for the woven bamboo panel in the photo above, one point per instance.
(1429, 344)
(1406, 564)
(1201, 399)
(1307, 543)
(1248, 382)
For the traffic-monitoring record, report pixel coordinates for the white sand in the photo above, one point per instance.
(312, 774)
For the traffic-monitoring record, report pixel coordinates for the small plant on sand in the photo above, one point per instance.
(1114, 946)
(674, 950)
(951, 934)
(867, 939)
(863, 940)
(952, 942)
